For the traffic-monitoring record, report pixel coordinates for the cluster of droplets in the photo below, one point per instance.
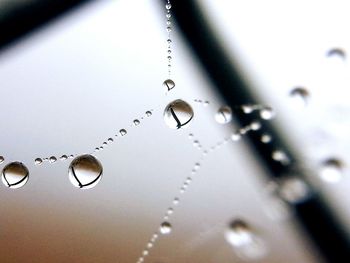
(204, 103)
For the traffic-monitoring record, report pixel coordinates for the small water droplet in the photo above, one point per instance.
(85, 171)
(38, 161)
(104, 143)
(281, 157)
(178, 114)
(293, 190)
(168, 22)
(169, 41)
(206, 103)
(266, 138)
(136, 122)
(248, 108)
(148, 113)
(267, 113)
(196, 143)
(52, 159)
(169, 51)
(63, 157)
(300, 97)
(255, 125)
(170, 211)
(168, 15)
(176, 201)
(168, 85)
(224, 115)
(149, 245)
(165, 228)
(236, 136)
(336, 52)
(145, 253)
(331, 170)
(123, 132)
(168, 29)
(2, 159)
(71, 156)
(197, 166)
(110, 140)
(169, 57)
(168, 6)
(15, 175)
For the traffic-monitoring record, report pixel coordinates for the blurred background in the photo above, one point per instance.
(75, 81)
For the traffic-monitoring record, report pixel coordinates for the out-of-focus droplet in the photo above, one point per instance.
(165, 228)
(244, 241)
(336, 53)
(178, 114)
(293, 190)
(331, 170)
(15, 175)
(267, 113)
(280, 156)
(300, 97)
(2, 159)
(223, 115)
(266, 138)
(85, 171)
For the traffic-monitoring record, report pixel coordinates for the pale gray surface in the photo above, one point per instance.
(77, 82)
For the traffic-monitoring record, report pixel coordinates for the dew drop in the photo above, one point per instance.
(38, 161)
(248, 108)
(148, 113)
(176, 201)
(104, 143)
(236, 136)
(149, 245)
(63, 157)
(169, 57)
(85, 171)
(178, 114)
(52, 159)
(245, 242)
(169, 41)
(110, 140)
(223, 115)
(165, 228)
(255, 125)
(300, 97)
(337, 52)
(136, 122)
(281, 157)
(170, 211)
(331, 170)
(2, 159)
(168, 29)
(168, 6)
(265, 138)
(15, 175)
(267, 113)
(168, 84)
(168, 15)
(168, 22)
(123, 132)
(293, 190)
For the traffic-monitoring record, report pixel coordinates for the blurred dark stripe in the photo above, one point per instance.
(19, 18)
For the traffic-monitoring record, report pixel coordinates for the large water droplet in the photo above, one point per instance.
(331, 170)
(165, 228)
(178, 114)
(15, 175)
(245, 242)
(85, 171)
(224, 115)
(168, 84)
(300, 97)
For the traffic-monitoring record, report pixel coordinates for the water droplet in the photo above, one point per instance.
(293, 190)
(104, 143)
(2, 159)
(169, 57)
(148, 113)
(110, 140)
(169, 41)
(224, 115)
(136, 122)
(255, 125)
(123, 132)
(168, 29)
(168, 6)
(165, 228)
(85, 171)
(149, 245)
(331, 170)
(197, 166)
(267, 113)
(71, 156)
(145, 253)
(63, 157)
(196, 143)
(236, 136)
(52, 159)
(38, 161)
(178, 114)
(206, 103)
(248, 108)
(168, 22)
(170, 211)
(169, 51)
(336, 52)
(300, 97)
(245, 242)
(265, 138)
(281, 157)
(168, 15)
(176, 201)
(15, 175)
(168, 84)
